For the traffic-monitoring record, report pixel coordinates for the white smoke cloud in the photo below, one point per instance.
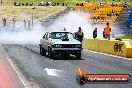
(73, 20)
(20, 35)
(70, 21)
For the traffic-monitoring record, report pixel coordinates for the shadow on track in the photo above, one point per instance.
(60, 57)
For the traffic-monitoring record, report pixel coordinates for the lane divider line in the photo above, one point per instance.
(119, 57)
(19, 74)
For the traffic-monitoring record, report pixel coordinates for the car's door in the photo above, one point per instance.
(47, 44)
(43, 42)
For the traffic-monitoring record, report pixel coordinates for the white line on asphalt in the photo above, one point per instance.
(21, 77)
(108, 55)
(60, 74)
(53, 72)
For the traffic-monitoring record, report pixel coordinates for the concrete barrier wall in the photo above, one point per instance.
(115, 47)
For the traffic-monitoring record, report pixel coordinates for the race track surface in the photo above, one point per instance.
(42, 72)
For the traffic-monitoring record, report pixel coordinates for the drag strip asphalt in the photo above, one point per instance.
(9, 78)
(42, 72)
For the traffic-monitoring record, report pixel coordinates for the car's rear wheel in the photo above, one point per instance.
(78, 56)
(50, 54)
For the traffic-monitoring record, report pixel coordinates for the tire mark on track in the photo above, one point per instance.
(86, 61)
(53, 65)
(70, 64)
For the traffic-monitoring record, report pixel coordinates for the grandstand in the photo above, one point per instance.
(129, 20)
(119, 16)
(128, 24)
(102, 14)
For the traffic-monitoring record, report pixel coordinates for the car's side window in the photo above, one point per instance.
(45, 36)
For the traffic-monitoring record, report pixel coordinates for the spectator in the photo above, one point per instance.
(47, 4)
(113, 4)
(117, 14)
(29, 24)
(107, 31)
(63, 4)
(4, 22)
(31, 4)
(101, 4)
(58, 4)
(95, 33)
(125, 5)
(94, 19)
(98, 17)
(79, 35)
(81, 4)
(77, 4)
(14, 22)
(24, 23)
(94, 8)
(104, 34)
(112, 11)
(64, 29)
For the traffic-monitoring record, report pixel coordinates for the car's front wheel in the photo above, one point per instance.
(50, 54)
(42, 51)
(78, 56)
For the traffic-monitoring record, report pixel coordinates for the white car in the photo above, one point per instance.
(60, 43)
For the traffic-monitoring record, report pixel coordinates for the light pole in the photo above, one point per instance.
(32, 19)
(32, 15)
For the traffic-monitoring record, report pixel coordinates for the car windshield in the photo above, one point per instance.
(60, 35)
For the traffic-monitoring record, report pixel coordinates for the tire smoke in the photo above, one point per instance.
(71, 21)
